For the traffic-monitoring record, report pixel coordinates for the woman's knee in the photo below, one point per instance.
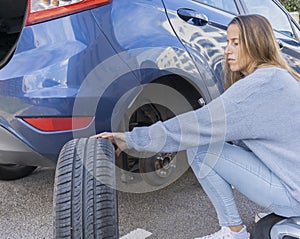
(200, 162)
(196, 156)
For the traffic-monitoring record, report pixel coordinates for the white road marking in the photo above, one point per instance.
(137, 234)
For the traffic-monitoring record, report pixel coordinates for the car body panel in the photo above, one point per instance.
(144, 38)
(205, 43)
(40, 79)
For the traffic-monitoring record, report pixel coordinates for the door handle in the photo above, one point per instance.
(280, 44)
(192, 16)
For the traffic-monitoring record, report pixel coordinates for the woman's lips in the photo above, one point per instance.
(230, 60)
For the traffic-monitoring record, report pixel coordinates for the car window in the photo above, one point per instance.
(227, 5)
(296, 30)
(273, 12)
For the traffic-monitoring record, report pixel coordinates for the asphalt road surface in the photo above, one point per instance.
(179, 211)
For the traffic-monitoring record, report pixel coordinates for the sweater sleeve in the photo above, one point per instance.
(217, 122)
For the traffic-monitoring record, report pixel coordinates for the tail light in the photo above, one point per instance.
(43, 10)
(51, 124)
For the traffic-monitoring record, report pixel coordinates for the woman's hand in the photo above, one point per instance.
(117, 139)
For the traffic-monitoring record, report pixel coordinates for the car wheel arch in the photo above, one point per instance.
(171, 84)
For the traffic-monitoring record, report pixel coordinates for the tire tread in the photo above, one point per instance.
(85, 199)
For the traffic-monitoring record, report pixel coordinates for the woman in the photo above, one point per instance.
(259, 114)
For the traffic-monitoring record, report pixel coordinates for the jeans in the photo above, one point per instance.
(219, 168)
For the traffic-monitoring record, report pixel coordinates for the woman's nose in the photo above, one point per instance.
(227, 49)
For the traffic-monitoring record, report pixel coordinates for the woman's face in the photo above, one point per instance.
(236, 61)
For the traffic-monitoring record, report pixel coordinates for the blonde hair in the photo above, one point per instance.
(258, 42)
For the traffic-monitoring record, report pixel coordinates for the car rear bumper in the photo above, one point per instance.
(14, 151)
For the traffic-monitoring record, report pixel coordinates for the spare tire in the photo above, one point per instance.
(85, 197)
(263, 227)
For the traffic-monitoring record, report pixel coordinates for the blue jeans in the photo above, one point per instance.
(219, 168)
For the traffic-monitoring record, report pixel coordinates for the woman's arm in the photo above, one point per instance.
(203, 126)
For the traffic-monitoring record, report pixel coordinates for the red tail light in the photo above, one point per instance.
(51, 124)
(43, 10)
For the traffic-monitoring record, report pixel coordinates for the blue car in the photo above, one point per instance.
(74, 68)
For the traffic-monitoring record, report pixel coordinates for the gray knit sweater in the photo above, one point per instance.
(261, 110)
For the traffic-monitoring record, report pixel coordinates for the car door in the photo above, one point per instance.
(201, 26)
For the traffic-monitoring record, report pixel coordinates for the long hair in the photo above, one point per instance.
(258, 42)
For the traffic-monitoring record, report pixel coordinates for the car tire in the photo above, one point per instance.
(85, 197)
(263, 227)
(15, 171)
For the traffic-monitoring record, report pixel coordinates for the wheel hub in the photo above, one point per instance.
(164, 163)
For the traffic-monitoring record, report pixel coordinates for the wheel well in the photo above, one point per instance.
(183, 86)
(143, 112)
